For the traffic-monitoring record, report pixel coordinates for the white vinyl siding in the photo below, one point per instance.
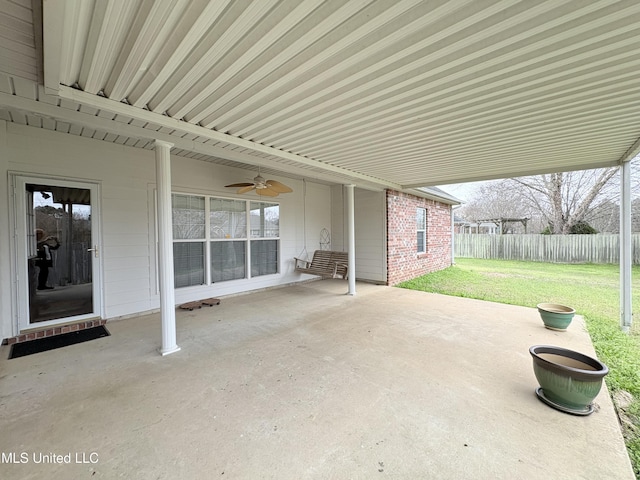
(370, 226)
(128, 240)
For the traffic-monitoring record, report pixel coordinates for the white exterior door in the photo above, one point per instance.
(57, 251)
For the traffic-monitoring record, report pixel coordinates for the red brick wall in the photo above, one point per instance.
(403, 260)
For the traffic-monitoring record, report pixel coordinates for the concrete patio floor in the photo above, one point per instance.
(305, 382)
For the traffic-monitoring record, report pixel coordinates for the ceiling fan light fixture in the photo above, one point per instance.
(269, 188)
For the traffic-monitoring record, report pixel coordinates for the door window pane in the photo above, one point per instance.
(60, 267)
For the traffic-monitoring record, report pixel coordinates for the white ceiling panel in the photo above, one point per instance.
(380, 93)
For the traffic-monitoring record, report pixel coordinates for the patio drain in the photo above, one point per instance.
(58, 341)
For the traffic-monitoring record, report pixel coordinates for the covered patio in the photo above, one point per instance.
(306, 382)
(136, 101)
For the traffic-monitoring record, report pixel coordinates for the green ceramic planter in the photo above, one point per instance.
(569, 380)
(555, 316)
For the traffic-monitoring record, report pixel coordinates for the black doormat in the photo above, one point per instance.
(57, 341)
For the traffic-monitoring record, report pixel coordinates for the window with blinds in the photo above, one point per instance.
(217, 239)
(228, 230)
(188, 220)
(265, 225)
(421, 227)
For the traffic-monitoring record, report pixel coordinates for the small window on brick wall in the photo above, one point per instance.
(421, 227)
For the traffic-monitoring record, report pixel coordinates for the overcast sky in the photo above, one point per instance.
(462, 191)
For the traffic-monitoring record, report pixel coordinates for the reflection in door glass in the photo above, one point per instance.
(59, 260)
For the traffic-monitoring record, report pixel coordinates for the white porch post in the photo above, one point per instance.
(165, 248)
(351, 236)
(625, 247)
(453, 233)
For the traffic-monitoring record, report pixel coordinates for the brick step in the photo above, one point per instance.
(52, 331)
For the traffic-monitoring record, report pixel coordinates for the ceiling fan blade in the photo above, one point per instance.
(240, 185)
(267, 192)
(278, 187)
(246, 188)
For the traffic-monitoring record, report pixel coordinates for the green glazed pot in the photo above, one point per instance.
(569, 380)
(555, 316)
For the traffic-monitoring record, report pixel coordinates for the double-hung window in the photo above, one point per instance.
(421, 228)
(189, 238)
(265, 231)
(228, 231)
(217, 239)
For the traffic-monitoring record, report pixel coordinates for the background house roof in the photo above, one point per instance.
(397, 94)
(438, 194)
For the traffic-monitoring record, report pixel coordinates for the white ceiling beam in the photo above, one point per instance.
(290, 163)
(49, 111)
(185, 127)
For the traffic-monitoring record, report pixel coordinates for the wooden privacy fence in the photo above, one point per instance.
(601, 248)
(74, 271)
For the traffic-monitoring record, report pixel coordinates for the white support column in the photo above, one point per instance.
(625, 247)
(453, 233)
(165, 248)
(351, 236)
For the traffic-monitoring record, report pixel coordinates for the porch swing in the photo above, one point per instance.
(325, 262)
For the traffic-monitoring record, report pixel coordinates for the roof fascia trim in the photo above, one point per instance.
(631, 153)
(447, 199)
(514, 174)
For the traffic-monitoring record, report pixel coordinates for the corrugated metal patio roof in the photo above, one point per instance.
(397, 94)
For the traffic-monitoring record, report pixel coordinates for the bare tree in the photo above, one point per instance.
(605, 217)
(558, 201)
(494, 200)
(565, 199)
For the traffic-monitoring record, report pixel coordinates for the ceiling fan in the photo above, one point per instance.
(268, 188)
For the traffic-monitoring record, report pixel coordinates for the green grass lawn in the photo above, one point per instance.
(593, 290)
